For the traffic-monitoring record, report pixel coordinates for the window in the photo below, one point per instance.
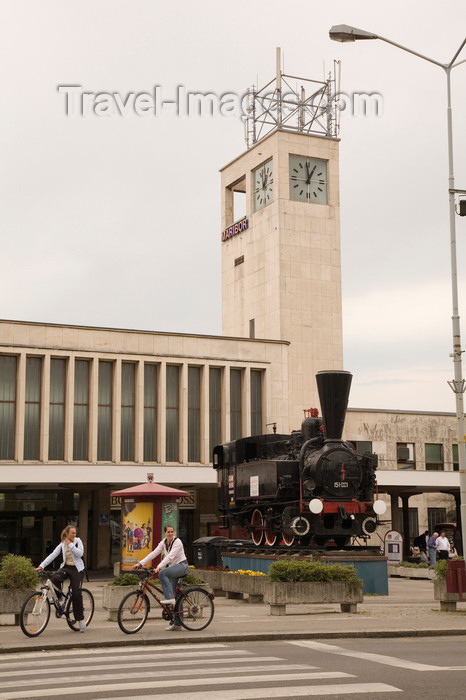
(194, 413)
(150, 413)
(32, 408)
(362, 446)
(7, 406)
(235, 404)
(57, 408)
(413, 523)
(128, 375)
(256, 402)
(172, 413)
(81, 410)
(456, 462)
(434, 457)
(405, 455)
(215, 408)
(104, 413)
(434, 516)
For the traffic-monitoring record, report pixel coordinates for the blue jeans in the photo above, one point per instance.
(169, 578)
(432, 556)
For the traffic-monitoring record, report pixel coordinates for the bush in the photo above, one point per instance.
(17, 572)
(414, 565)
(192, 580)
(293, 571)
(441, 569)
(125, 580)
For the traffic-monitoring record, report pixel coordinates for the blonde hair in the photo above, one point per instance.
(66, 531)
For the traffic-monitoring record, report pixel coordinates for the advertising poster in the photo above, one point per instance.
(169, 517)
(137, 537)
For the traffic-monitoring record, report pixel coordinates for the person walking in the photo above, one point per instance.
(421, 542)
(173, 566)
(443, 546)
(72, 550)
(432, 549)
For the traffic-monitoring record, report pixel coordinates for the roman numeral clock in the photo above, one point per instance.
(308, 179)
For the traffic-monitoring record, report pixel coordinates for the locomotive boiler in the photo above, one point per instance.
(310, 487)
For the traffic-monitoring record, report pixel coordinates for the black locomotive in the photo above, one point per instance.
(306, 488)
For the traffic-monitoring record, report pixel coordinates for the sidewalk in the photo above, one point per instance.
(409, 610)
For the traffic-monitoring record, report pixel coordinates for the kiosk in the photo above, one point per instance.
(145, 510)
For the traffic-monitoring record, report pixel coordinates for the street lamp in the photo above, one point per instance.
(344, 33)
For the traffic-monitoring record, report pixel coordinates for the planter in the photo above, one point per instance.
(11, 602)
(213, 579)
(447, 600)
(411, 572)
(112, 597)
(279, 595)
(237, 585)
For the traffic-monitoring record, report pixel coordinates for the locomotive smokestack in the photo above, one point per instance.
(334, 388)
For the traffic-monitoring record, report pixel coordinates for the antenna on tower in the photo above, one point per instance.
(292, 104)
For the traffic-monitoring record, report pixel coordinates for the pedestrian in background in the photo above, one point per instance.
(432, 549)
(443, 546)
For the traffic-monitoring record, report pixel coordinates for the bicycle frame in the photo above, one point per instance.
(50, 591)
(147, 585)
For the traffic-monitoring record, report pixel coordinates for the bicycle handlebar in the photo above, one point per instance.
(144, 573)
(46, 573)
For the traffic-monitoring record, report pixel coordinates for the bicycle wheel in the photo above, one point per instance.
(34, 615)
(88, 607)
(133, 612)
(194, 608)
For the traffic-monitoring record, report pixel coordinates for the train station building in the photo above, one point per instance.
(85, 411)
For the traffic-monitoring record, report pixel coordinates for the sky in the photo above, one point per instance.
(114, 220)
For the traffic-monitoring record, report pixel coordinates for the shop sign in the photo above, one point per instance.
(188, 502)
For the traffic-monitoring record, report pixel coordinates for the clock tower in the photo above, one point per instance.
(281, 259)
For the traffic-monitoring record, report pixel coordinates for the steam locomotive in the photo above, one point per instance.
(306, 488)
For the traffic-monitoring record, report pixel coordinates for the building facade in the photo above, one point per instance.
(86, 411)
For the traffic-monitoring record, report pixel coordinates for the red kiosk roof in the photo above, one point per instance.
(150, 489)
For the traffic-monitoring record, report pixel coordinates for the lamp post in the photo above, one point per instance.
(344, 33)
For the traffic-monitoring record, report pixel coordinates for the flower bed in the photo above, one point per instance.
(291, 583)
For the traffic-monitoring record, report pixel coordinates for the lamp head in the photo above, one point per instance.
(344, 32)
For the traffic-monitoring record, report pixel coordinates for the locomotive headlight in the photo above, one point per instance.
(316, 506)
(380, 506)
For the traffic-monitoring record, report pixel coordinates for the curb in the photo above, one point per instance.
(259, 637)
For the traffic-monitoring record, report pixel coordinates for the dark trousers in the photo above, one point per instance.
(76, 578)
(442, 553)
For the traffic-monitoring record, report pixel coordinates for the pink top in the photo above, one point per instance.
(173, 554)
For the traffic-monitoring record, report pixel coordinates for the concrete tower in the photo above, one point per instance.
(281, 262)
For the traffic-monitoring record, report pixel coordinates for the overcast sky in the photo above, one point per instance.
(115, 221)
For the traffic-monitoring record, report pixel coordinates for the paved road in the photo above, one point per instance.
(241, 671)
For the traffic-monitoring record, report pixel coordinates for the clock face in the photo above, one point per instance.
(263, 185)
(308, 179)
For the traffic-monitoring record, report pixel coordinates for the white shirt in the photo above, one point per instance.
(443, 543)
(173, 555)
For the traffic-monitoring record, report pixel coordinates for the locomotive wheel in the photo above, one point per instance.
(270, 537)
(287, 540)
(257, 524)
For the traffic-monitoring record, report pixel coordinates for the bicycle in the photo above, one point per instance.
(35, 612)
(193, 608)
